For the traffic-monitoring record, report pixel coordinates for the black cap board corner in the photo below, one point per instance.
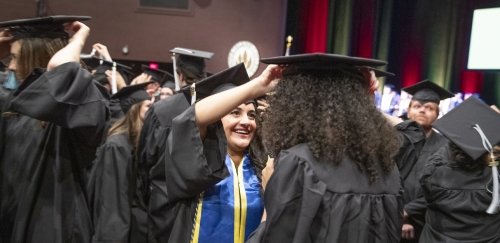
(459, 126)
(132, 94)
(157, 75)
(320, 62)
(226, 79)
(428, 91)
(192, 52)
(41, 27)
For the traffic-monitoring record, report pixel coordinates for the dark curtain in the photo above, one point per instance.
(424, 39)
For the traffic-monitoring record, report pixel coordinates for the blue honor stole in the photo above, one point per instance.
(232, 209)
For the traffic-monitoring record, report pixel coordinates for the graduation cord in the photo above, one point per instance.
(193, 93)
(493, 208)
(176, 76)
(114, 88)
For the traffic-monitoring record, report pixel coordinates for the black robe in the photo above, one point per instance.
(49, 137)
(111, 186)
(151, 191)
(457, 201)
(193, 166)
(170, 217)
(168, 190)
(312, 201)
(415, 205)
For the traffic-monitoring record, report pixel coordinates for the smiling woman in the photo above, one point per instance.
(239, 128)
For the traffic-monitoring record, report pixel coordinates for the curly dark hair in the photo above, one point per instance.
(463, 160)
(333, 113)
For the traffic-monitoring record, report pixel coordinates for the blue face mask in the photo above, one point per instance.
(11, 81)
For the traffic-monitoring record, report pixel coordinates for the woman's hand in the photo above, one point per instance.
(267, 80)
(80, 30)
(102, 51)
(142, 78)
(267, 172)
(262, 106)
(71, 52)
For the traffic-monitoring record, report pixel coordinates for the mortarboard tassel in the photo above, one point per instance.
(114, 88)
(193, 93)
(176, 76)
(493, 208)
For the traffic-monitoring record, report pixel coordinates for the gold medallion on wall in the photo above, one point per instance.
(244, 52)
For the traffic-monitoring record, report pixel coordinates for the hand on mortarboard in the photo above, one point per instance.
(71, 52)
(267, 80)
(102, 51)
(80, 32)
(141, 78)
(370, 76)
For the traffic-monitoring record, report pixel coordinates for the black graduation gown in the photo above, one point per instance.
(415, 204)
(171, 211)
(457, 202)
(43, 174)
(192, 167)
(311, 201)
(151, 191)
(110, 190)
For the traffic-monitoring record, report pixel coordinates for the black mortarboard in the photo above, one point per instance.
(41, 27)
(191, 62)
(458, 126)
(130, 95)
(101, 66)
(157, 75)
(220, 81)
(169, 84)
(320, 62)
(428, 91)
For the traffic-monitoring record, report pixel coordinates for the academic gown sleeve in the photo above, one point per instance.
(110, 192)
(65, 96)
(193, 164)
(75, 115)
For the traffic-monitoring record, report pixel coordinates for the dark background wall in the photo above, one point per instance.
(210, 25)
(420, 39)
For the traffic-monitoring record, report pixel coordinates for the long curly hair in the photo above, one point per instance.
(333, 113)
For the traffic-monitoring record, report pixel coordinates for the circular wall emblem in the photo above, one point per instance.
(244, 52)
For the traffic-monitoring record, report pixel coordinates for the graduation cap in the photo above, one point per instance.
(101, 66)
(157, 75)
(460, 126)
(130, 95)
(190, 62)
(303, 63)
(41, 27)
(473, 126)
(428, 91)
(218, 82)
(169, 84)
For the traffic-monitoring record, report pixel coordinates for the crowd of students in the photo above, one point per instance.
(88, 156)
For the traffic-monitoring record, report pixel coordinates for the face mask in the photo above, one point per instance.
(11, 81)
